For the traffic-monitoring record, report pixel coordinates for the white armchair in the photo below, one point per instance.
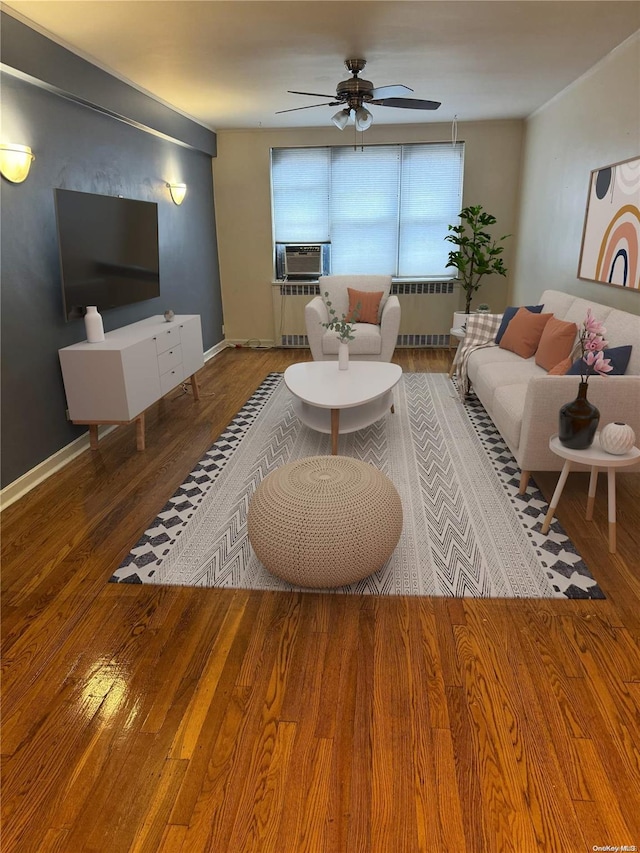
(372, 342)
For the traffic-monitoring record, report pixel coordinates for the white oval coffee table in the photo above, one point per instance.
(335, 401)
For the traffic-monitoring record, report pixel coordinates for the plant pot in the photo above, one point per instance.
(578, 421)
(460, 319)
(343, 356)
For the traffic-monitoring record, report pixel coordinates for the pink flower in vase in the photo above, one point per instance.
(592, 344)
(592, 325)
(578, 420)
(598, 363)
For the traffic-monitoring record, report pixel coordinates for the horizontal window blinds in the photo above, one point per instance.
(364, 209)
(300, 187)
(385, 208)
(430, 200)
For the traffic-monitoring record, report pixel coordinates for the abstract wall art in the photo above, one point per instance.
(610, 250)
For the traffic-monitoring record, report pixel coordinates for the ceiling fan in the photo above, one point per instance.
(355, 93)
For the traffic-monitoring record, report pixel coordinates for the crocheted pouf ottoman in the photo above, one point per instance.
(324, 521)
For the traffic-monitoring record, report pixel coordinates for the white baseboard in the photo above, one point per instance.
(216, 348)
(14, 491)
(252, 343)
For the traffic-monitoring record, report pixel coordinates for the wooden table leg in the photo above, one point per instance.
(140, 442)
(593, 483)
(194, 387)
(611, 477)
(93, 436)
(335, 426)
(556, 496)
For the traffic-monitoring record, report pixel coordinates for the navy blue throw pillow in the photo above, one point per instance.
(510, 313)
(619, 361)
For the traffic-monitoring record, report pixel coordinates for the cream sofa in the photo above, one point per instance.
(523, 401)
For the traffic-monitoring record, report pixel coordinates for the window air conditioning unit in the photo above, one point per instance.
(302, 261)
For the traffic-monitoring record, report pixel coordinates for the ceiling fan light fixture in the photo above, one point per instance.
(356, 92)
(364, 119)
(341, 118)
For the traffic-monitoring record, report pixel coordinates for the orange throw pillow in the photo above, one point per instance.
(561, 368)
(524, 332)
(556, 343)
(365, 305)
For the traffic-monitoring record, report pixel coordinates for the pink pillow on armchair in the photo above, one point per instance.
(364, 304)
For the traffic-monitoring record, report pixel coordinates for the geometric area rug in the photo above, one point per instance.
(466, 530)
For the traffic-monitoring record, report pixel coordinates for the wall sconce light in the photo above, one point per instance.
(178, 192)
(15, 162)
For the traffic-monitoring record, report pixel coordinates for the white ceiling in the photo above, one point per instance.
(229, 63)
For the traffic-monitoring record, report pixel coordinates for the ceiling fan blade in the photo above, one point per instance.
(310, 107)
(396, 91)
(407, 103)
(313, 94)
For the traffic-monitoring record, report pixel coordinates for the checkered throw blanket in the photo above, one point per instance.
(481, 330)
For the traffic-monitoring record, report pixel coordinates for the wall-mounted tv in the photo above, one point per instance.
(108, 250)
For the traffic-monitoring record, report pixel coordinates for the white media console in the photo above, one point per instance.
(116, 380)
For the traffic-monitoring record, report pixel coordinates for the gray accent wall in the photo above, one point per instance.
(81, 148)
(61, 71)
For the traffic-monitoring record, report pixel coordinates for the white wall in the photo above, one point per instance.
(243, 205)
(595, 122)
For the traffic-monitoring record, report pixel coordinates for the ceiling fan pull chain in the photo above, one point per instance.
(454, 130)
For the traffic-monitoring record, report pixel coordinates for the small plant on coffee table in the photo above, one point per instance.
(343, 326)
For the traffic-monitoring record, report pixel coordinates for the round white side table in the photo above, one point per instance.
(597, 459)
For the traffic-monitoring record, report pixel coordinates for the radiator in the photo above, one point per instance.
(427, 308)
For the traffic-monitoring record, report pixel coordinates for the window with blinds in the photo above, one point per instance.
(385, 208)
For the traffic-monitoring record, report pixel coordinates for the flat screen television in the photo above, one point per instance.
(108, 250)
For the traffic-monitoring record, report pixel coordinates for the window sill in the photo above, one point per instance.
(394, 279)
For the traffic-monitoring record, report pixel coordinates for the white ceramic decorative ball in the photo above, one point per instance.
(617, 438)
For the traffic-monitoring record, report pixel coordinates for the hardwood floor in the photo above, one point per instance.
(140, 718)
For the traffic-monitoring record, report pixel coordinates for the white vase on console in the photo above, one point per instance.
(93, 325)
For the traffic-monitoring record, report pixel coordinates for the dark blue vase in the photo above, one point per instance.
(578, 421)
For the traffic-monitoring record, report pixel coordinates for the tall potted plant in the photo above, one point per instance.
(476, 252)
